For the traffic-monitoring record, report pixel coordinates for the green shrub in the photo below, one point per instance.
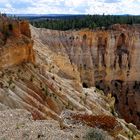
(32, 78)
(10, 81)
(46, 91)
(97, 134)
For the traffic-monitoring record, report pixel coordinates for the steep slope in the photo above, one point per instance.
(107, 59)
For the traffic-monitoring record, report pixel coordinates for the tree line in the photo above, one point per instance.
(84, 21)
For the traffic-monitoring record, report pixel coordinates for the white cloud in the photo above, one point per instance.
(75, 3)
(71, 6)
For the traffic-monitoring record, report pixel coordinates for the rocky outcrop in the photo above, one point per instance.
(16, 45)
(25, 29)
(107, 59)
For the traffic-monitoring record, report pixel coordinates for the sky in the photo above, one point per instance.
(117, 7)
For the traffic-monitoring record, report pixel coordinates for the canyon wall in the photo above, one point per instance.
(16, 45)
(51, 87)
(108, 59)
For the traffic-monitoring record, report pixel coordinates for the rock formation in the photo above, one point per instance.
(16, 45)
(65, 63)
(107, 59)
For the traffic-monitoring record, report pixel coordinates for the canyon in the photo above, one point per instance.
(60, 75)
(106, 59)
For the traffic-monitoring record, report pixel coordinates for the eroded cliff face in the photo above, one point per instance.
(107, 59)
(16, 45)
(52, 87)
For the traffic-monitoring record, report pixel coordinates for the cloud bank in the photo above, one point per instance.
(70, 6)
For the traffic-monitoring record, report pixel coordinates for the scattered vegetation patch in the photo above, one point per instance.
(97, 134)
(60, 88)
(53, 77)
(19, 70)
(10, 81)
(32, 78)
(46, 91)
(99, 91)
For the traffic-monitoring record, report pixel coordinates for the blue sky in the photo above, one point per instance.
(70, 6)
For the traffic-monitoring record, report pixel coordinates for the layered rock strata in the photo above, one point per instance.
(107, 59)
(54, 82)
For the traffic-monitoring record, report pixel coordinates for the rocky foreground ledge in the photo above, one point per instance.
(18, 124)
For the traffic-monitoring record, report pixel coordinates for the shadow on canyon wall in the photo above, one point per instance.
(107, 59)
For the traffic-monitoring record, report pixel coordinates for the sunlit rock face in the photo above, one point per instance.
(16, 45)
(108, 59)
